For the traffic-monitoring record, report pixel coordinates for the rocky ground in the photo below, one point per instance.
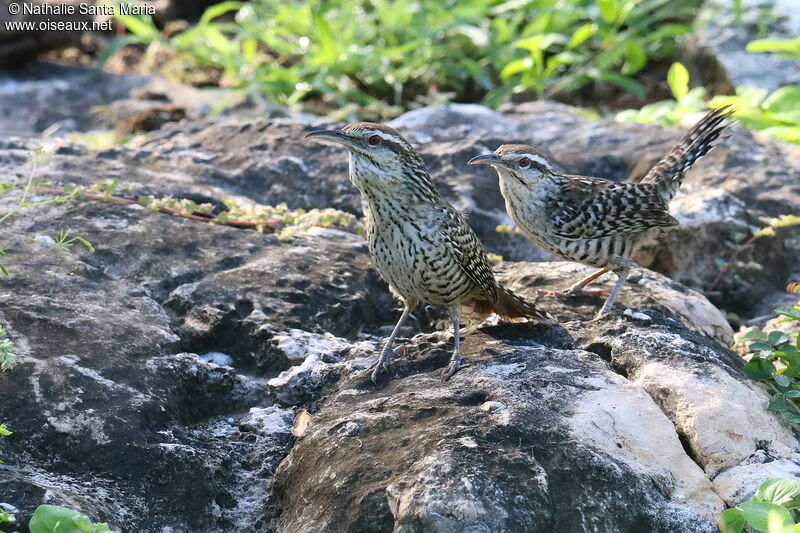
(160, 376)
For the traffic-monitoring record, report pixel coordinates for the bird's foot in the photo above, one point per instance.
(572, 292)
(380, 364)
(453, 367)
(601, 313)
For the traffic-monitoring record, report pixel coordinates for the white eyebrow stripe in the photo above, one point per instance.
(389, 137)
(541, 160)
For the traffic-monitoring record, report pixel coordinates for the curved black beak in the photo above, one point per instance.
(334, 135)
(487, 159)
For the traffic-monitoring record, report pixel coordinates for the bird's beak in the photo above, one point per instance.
(487, 159)
(336, 136)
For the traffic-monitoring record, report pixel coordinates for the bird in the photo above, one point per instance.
(596, 221)
(420, 244)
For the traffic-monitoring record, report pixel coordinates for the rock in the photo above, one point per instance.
(644, 293)
(160, 377)
(21, 44)
(430, 457)
(44, 96)
(740, 483)
(718, 46)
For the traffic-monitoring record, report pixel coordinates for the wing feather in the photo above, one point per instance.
(591, 208)
(467, 250)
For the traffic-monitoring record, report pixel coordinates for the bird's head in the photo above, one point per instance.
(522, 163)
(379, 156)
(375, 144)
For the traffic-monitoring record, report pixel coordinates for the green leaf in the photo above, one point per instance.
(777, 338)
(758, 514)
(56, 519)
(636, 58)
(789, 355)
(760, 346)
(678, 80)
(4, 431)
(791, 418)
(777, 404)
(782, 381)
(325, 40)
(142, 28)
(580, 35)
(792, 371)
(794, 503)
(791, 313)
(218, 9)
(755, 335)
(758, 368)
(786, 46)
(623, 82)
(731, 521)
(777, 491)
(609, 9)
(515, 67)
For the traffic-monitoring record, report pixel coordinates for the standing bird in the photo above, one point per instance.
(592, 220)
(421, 245)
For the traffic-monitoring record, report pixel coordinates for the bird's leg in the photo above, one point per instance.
(455, 361)
(577, 288)
(383, 360)
(610, 301)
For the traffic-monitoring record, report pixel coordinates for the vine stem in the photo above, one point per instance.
(273, 225)
(731, 259)
(21, 204)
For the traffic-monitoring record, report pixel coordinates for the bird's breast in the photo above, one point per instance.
(412, 256)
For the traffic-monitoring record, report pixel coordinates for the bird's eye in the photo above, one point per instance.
(524, 162)
(374, 140)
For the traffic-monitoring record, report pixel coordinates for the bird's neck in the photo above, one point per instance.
(407, 186)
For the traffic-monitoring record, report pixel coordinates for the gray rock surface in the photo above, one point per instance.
(62, 100)
(120, 409)
(718, 46)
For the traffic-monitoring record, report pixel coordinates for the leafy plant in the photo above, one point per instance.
(783, 47)
(401, 54)
(37, 158)
(8, 359)
(5, 433)
(776, 362)
(772, 509)
(5, 516)
(741, 243)
(776, 114)
(55, 519)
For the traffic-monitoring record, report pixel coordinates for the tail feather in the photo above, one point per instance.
(510, 306)
(668, 173)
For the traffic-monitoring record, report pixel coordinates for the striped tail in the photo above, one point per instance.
(668, 174)
(509, 306)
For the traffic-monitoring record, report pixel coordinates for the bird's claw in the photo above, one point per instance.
(452, 368)
(376, 368)
(600, 314)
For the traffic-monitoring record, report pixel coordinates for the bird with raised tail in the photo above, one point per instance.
(592, 220)
(422, 246)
